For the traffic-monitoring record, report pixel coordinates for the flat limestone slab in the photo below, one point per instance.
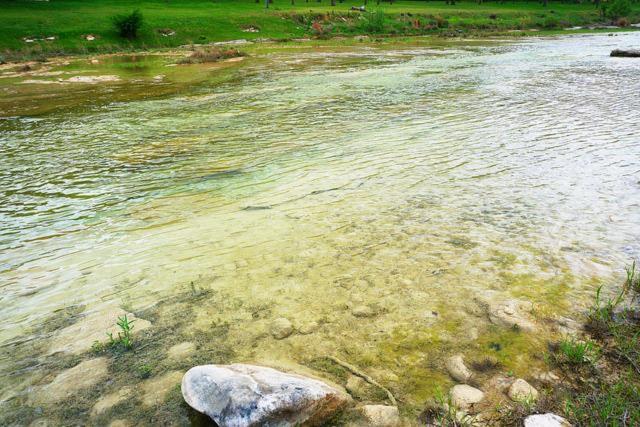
(80, 336)
(74, 380)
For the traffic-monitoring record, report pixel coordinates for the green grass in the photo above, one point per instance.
(205, 21)
(607, 392)
(576, 352)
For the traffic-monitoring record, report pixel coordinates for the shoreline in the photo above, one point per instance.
(14, 57)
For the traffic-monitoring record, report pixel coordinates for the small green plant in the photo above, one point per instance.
(576, 352)
(633, 280)
(97, 347)
(128, 25)
(602, 312)
(144, 371)
(124, 338)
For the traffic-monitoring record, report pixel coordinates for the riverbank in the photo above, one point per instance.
(39, 29)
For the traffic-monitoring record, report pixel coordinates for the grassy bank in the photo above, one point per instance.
(70, 23)
(599, 382)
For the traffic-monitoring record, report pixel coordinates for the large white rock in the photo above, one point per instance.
(464, 396)
(457, 369)
(545, 420)
(247, 395)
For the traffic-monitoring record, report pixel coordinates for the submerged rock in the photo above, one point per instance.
(181, 351)
(110, 400)
(93, 327)
(511, 313)
(308, 328)
(363, 311)
(464, 396)
(359, 388)
(626, 53)
(522, 390)
(71, 381)
(457, 369)
(381, 415)
(155, 390)
(507, 312)
(248, 395)
(545, 420)
(281, 328)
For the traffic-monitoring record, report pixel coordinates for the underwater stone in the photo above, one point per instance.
(381, 415)
(248, 395)
(363, 311)
(182, 350)
(356, 386)
(309, 328)
(464, 396)
(73, 380)
(511, 313)
(545, 420)
(522, 390)
(457, 369)
(110, 400)
(155, 390)
(79, 337)
(281, 328)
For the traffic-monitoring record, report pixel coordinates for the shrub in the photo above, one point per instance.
(128, 25)
(373, 22)
(551, 22)
(619, 9)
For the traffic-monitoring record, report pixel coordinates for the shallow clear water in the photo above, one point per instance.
(407, 180)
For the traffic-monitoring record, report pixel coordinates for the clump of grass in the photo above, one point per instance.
(212, 54)
(125, 335)
(373, 22)
(485, 364)
(616, 404)
(144, 371)
(576, 352)
(610, 395)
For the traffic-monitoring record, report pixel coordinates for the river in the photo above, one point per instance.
(367, 195)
